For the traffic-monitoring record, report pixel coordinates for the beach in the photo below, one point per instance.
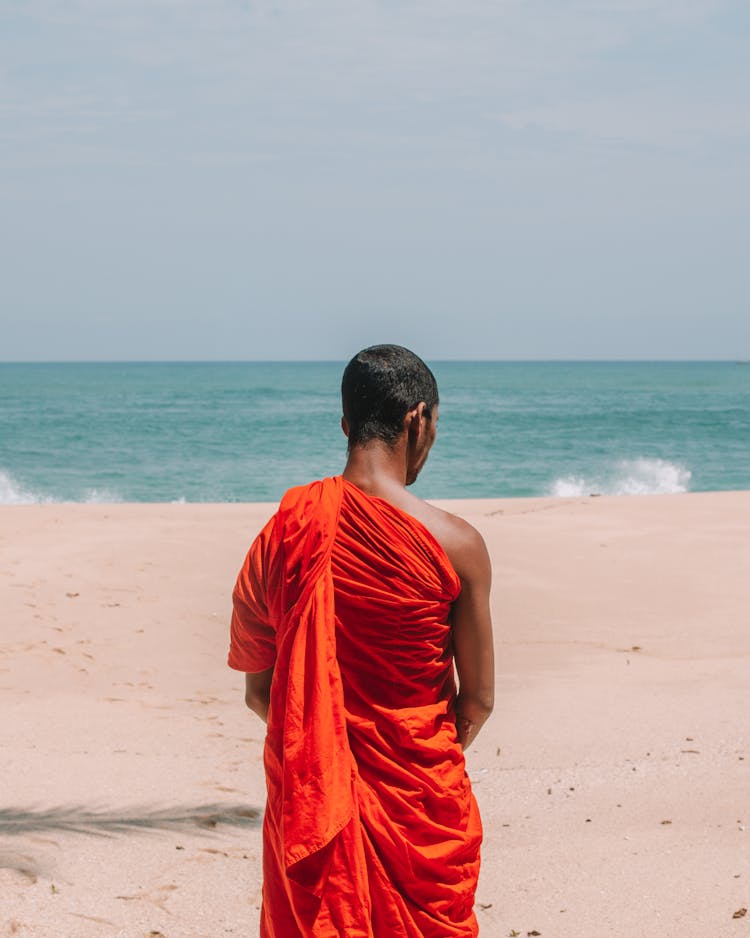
(613, 776)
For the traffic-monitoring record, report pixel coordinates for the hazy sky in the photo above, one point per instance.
(508, 179)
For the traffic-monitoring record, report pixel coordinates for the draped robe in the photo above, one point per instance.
(371, 828)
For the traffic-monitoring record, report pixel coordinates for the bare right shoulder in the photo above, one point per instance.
(463, 544)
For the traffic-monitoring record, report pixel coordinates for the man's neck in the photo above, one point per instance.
(377, 468)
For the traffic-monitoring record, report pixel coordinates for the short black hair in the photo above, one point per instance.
(381, 384)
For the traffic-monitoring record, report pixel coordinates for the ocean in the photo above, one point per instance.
(235, 432)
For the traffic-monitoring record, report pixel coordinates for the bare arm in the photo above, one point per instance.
(258, 692)
(472, 638)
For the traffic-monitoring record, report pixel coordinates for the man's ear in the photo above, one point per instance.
(413, 420)
(345, 427)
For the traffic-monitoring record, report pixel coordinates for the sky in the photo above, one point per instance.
(517, 179)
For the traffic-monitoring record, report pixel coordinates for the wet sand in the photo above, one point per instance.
(613, 777)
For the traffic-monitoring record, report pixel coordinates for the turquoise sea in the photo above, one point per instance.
(226, 432)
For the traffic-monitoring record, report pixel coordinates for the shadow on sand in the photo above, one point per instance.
(106, 823)
(76, 819)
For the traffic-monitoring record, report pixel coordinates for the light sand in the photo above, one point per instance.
(613, 777)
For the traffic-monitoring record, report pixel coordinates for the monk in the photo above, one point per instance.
(355, 609)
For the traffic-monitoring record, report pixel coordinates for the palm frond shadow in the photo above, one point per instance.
(76, 819)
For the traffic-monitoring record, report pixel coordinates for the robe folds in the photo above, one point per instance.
(371, 829)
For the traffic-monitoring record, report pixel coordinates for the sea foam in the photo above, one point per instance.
(628, 477)
(100, 497)
(12, 493)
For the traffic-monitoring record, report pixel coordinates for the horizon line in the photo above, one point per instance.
(337, 361)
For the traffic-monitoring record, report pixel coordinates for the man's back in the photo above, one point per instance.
(460, 541)
(394, 587)
(471, 625)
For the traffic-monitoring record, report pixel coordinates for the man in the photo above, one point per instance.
(352, 607)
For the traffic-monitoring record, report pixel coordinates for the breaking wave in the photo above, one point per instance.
(13, 493)
(627, 477)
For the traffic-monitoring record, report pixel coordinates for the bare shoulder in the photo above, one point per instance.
(460, 540)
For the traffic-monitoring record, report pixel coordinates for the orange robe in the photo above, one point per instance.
(371, 829)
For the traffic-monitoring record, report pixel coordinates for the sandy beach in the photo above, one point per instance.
(613, 777)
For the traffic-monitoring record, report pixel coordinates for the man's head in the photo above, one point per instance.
(380, 387)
